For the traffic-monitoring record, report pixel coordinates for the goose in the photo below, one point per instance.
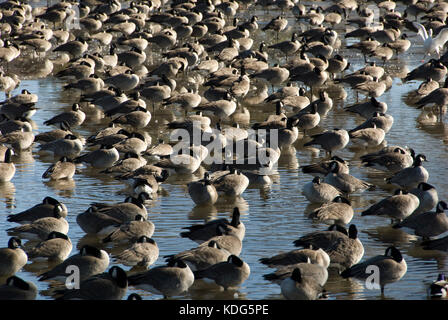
(381, 120)
(62, 169)
(438, 288)
(400, 45)
(14, 110)
(201, 233)
(367, 137)
(308, 269)
(12, 258)
(40, 229)
(232, 184)
(397, 207)
(75, 48)
(391, 265)
(427, 194)
(227, 274)
(57, 247)
(274, 75)
(90, 261)
(16, 288)
(308, 121)
(288, 47)
(409, 178)
(7, 168)
(187, 100)
(144, 252)
(24, 97)
(41, 210)
(136, 143)
(366, 109)
(318, 191)
(74, 117)
(339, 211)
(227, 237)
(132, 230)
(390, 159)
(8, 126)
(313, 255)
(277, 24)
(315, 78)
(19, 140)
(365, 46)
(428, 224)
(431, 45)
(344, 248)
(438, 97)
(106, 286)
(433, 68)
(77, 71)
(131, 162)
(323, 168)
(127, 105)
(170, 280)
(331, 140)
(165, 39)
(337, 64)
(182, 162)
(374, 88)
(203, 191)
(345, 182)
(69, 147)
(125, 82)
(139, 118)
(104, 157)
(298, 287)
(202, 257)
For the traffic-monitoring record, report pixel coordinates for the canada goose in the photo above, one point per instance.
(75, 117)
(70, 146)
(397, 207)
(232, 184)
(125, 82)
(344, 181)
(331, 140)
(318, 191)
(308, 269)
(427, 195)
(106, 286)
(170, 280)
(203, 191)
(391, 159)
(428, 224)
(274, 75)
(57, 247)
(165, 39)
(227, 237)
(367, 137)
(62, 169)
(439, 288)
(438, 97)
(277, 24)
(433, 68)
(77, 71)
(409, 178)
(127, 106)
(288, 47)
(86, 86)
(75, 48)
(131, 162)
(400, 45)
(41, 210)
(18, 140)
(230, 273)
(365, 46)
(12, 258)
(381, 120)
(308, 121)
(344, 248)
(7, 168)
(15, 110)
(392, 267)
(144, 252)
(40, 229)
(136, 143)
(323, 168)
(339, 211)
(132, 230)
(139, 118)
(8, 126)
(17, 289)
(24, 97)
(315, 256)
(298, 287)
(337, 64)
(119, 212)
(89, 260)
(104, 157)
(202, 257)
(366, 109)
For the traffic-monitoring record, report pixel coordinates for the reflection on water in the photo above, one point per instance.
(274, 215)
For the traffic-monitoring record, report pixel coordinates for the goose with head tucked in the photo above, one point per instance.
(12, 258)
(410, 177)
(428, 196)
(344, 181)
(339, 211)
(16, 288)
(143, 253)
(318, 191)
(57, 247)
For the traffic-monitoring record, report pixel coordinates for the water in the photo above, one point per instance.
(274, 217)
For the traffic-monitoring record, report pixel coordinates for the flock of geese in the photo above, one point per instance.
(198, 58)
